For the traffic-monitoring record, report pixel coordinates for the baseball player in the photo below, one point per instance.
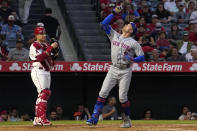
(41, 55)
(123, 48)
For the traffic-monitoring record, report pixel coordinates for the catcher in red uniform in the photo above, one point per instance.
(42, 54)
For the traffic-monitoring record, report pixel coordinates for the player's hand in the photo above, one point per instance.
(54, 45)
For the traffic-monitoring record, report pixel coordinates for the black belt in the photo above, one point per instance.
(121, 66)
(42, 68)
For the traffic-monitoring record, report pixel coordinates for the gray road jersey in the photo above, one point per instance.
(121, 46)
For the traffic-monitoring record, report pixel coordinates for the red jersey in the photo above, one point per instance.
(40, 54)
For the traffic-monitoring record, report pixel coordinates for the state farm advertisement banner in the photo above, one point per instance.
(102, 67)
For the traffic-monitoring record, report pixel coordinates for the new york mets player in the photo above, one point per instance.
(123, 49)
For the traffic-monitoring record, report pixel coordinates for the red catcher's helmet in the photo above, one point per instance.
(39, 30)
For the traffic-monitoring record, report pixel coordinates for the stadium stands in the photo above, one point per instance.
(92, 40)
(86, 15)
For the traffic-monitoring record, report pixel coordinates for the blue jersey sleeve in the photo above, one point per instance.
(105, 23)
(139, 59)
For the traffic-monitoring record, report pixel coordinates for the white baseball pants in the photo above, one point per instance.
(41, 79)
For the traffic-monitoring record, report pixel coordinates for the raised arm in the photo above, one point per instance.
(105, 23)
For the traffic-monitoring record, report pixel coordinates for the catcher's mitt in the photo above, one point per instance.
(55, 51)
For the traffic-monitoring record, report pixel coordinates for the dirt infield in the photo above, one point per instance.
(104, 127)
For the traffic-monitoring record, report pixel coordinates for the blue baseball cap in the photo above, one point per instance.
(134, 27)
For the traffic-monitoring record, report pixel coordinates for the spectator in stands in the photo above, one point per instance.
(162, 42)
(3, 116)
(19, 53)
(185, 109)
(148, 115)
(188, 116)
(129, 10)
(152, 27)
(175, 56)
(194, 116)
(146, 13)
(10, 3)
(104, 4)
(141, 22)
(130, 17)
(193, 53)
(181, 16)
(187, 2)
(171, 6)
(191, 8)
(109, 111)
(140, 33)
(142, 4)
(10, 33)
(157, 30)
(163, 15)
(24, 7)
(60, 113)
(164, 54)
(105, 12)
(146, 44)
(82, 113)
(118, 25)
(3, 53)
(190, 27)
(174, 34)
(13, 116)
(154, 57)
(5, 11)
(193, 16)
(193, 35)
(184, 46)
(193, 57)
(51, 24)
(53, 116)
(144, 38)
(17, 20)
(25, 117)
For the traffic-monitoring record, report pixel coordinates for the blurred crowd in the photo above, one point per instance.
(13, 45)
(167, 29)
(13, 115)
(109, 112)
